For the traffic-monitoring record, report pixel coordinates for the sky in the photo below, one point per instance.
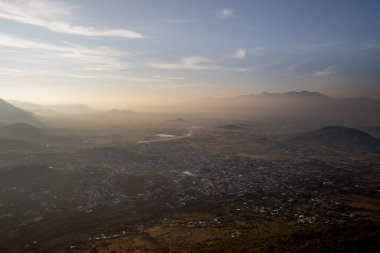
(136, 53)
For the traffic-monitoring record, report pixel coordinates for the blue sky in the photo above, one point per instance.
(128, 53)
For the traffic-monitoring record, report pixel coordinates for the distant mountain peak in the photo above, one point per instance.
(297, 93)
(306, 93)
(301, 95)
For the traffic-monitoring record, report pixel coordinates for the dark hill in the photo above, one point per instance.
(231, 127)
(335, 136)
(375, 131)
(22, 131)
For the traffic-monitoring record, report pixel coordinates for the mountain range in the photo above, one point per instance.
(311, 109)
(305, 107)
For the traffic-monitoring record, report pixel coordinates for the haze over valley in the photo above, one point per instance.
(199, 126)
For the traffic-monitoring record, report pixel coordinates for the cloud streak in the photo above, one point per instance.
(188, 63)
(98, 58)
(50, 15)
(329, 71)
(197, 63)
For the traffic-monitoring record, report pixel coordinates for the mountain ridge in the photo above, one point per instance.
(293, 107)
(10, 114)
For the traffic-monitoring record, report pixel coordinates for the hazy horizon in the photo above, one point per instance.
(158, 104)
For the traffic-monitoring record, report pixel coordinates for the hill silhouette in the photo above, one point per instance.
(231, 127)
(23, 132)
(10, 114)
(338, 136)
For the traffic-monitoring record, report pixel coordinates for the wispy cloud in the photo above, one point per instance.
(13, 72)
(240, 54)
(98, 58)
(52, 16)
(156, 82)
(227, 13)
(197, 63)
(329, 71)
(190, 85)
(154, 79)
(188, 63)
